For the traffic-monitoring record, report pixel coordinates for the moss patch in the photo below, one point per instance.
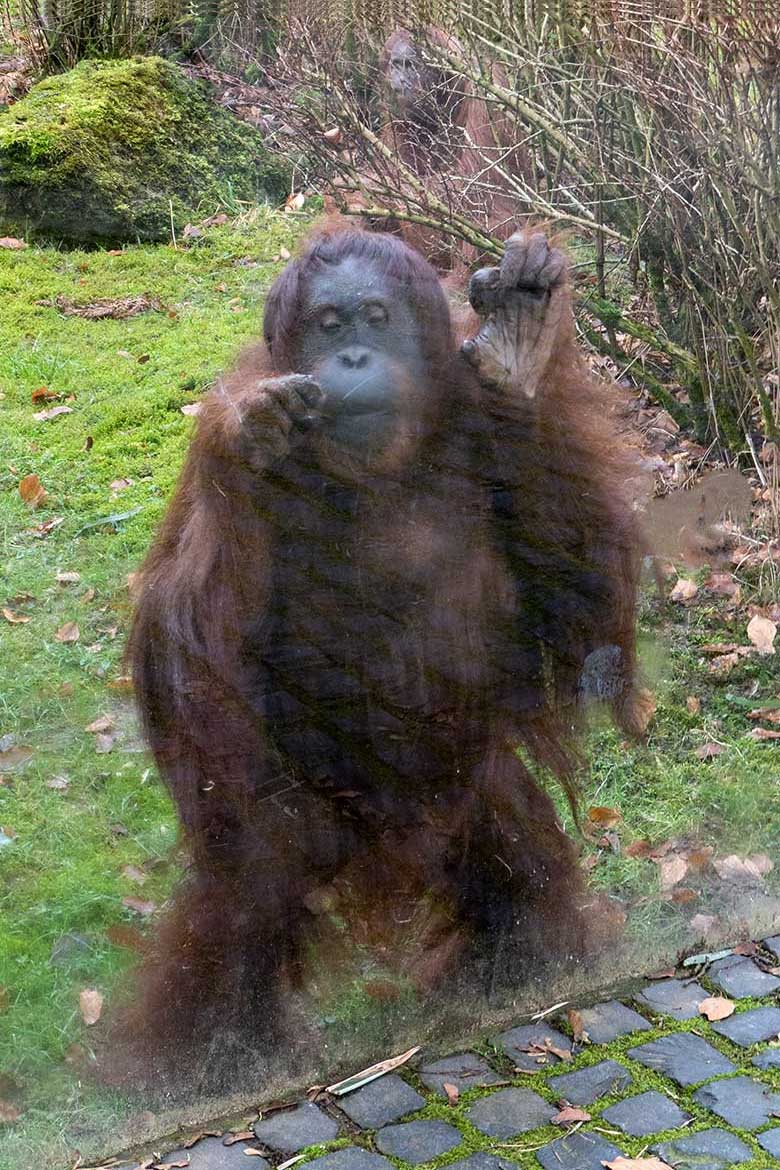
(116, 150)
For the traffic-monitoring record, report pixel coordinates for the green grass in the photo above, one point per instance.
(61, 871)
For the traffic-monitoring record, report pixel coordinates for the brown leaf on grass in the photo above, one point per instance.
(54, 412)
(12, 244)
(604, 818)
(68, 578)
(724, 664)
(139, 906)
(723, 648)
(58, 783)
(683, 896)
(716, 1007)
(191, 408)
(642, 709)
(451, 1092)
(119, 485)
(32, 491)
(48, 526)
(671, 870)
(9, 1113)
(768, 714)
(750, 869)
(762, 633)
(68, 633)
(570, 1115)
(122, 683)
(763, 733)
(16, 619)
(723, 584)
(134, 874)
(87, 596)
(709, 751)
(118, 309)
(700, 858)
(90, 1005)
(693, 704)
(101, 724)
(748, 949)
(684, 590)
(640, 848)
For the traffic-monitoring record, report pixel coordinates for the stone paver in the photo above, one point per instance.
(418, 1141)
(508, 1112)
(606, 1021)
(380, 1102)
(710, 1149)
(741, 1101)
(481, 1161)
(464, 1070)
(769, 1058)
(748, 1028)
(685, 1058)
(773, 944)
(577, 1151)
(740, 977)
(517, 1041)
(677, 998)
(646, 1114)
(350, 1158)
(588, 1084)
(770, 1141)
(291, 1130)
(210, 1154)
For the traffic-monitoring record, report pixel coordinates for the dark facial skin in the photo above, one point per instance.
(362, 345)
(403, 72)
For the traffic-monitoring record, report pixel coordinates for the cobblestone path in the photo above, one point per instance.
(653, 1079)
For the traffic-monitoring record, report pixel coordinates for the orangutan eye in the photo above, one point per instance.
(376, 315)
(330, 322)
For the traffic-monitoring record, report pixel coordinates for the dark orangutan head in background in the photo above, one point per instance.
(387, 566)
(437, 125)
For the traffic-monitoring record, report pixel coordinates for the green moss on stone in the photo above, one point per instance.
(111, 150)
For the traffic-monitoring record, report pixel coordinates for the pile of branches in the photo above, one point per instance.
(654, 142)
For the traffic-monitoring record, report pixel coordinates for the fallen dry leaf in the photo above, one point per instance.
(763, 733)
(671, 870)
(333, 136)
(32, 491)
(709, 751)
(451, 1092)
(119, 485)
(684, 590)
(87, 596)
(733, 868)
(48, 526)
(129, 937)
(640, 848)
(702, 924)
(12, 243)
(637, 1164)
(55, 412)
(724, 664)
(762, 634)
(683, 896)
(59, 783)
(570, 1115)
(90, 1005)
(768, 714)
(8, 1113)
(134, 874)
(294, 202)
(190, 408)
(68, 578)
(605, 818)
(102, 723)
(117, 309)
(16, 619)
(716, 1007)
(693, 704)
(577, 1026)
(642, 707)
(242, 1135)
(700, 858)
(68, 633)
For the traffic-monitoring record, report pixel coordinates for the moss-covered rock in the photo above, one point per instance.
(112, 149)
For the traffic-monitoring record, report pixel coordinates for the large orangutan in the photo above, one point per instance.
(466, 151)
(393, 565)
